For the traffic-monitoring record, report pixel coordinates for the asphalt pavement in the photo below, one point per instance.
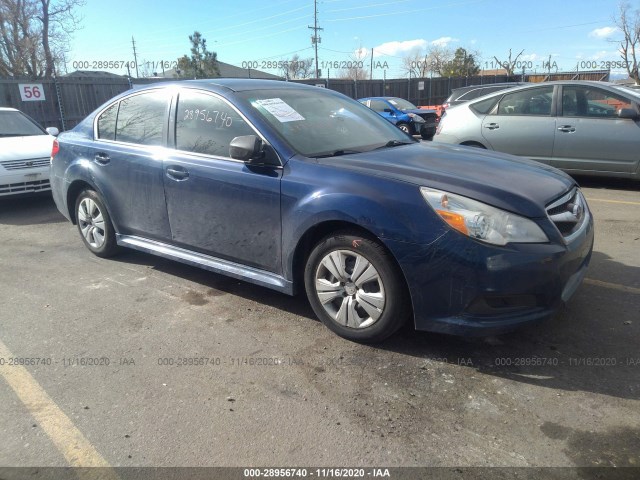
(140, 361)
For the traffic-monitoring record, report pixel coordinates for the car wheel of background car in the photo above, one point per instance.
(355, 288)
(404, 127)
(94, 224)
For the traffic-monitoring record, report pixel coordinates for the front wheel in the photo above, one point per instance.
(404, 127)
(355, 288)
(94, 224)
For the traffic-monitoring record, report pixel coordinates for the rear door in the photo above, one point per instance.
(523, 124)
(127, 162)
(590, 136)
(218, 205)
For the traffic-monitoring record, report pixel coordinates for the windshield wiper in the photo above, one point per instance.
(393, 143)
(337, 153)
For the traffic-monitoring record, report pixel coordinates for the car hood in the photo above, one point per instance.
(25, 148)
(511, 183)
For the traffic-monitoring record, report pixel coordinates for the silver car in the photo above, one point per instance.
(577, 126)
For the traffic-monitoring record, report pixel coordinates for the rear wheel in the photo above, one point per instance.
(94, 224)
(355, 288)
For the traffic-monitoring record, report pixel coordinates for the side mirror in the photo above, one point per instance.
(52, 131)
(388, 110)
(627, 113)
(246, 148)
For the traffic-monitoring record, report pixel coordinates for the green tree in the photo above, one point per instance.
(464, 64)
(202, 63)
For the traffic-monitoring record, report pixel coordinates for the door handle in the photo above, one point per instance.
(177, 173)
(492, 126)
(567, 129)
(102, 158)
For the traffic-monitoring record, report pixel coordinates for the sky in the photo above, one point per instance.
(251, 33)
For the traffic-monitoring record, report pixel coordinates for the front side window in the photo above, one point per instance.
(587, 101)
(207, 124)
(533, 101)
(141, 118)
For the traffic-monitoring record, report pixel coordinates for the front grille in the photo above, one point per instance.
(569, 214)
(430, 118)
(28, 163)
(25, 187)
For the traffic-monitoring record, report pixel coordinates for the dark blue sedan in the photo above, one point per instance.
(299, 188)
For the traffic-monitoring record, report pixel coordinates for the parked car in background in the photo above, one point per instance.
(25, 151)
(471, 92)
(298, 188)
(404, 115)
(578, 126)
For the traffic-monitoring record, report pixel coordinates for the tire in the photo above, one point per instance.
(94, 224)
(404, 127)
(363, 311)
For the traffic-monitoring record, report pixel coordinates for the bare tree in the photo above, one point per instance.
(59, 21)
(509, 64)
(34, 35)
(354, 72)
(297, 68)
(434, 60)
(20, 45)
(628, 22)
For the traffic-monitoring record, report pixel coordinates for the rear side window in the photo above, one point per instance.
(207, 124)
(533, 101)
(141, 119)
(107, 123)
(484, 106)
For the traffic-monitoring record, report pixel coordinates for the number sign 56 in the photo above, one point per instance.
(31, 92)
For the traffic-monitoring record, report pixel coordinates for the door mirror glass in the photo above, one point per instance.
(627, 113)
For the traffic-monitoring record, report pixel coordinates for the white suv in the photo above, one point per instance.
(25, 151)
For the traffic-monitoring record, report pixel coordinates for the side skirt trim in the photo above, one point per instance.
(217, 265)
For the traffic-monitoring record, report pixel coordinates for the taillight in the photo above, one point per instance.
(54, 149)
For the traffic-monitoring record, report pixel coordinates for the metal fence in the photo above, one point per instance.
(64, 102)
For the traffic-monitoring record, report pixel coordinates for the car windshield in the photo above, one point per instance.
(402, 104)
(317, 123)
(15, 124)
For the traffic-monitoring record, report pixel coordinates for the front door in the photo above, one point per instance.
(218, 205)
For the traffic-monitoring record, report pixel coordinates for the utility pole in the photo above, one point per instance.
(315, 39)
(135, 56)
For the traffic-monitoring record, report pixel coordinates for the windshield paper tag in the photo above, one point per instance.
(279, 109)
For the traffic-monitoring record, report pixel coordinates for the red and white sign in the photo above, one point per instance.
(31, 92)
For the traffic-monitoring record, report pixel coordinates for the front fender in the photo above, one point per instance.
(393, 211)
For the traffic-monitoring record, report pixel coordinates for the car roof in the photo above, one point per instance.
(8, 109)
(490, 85)
(233, 84)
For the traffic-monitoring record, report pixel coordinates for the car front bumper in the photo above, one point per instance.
(27, 181)
(464, 287)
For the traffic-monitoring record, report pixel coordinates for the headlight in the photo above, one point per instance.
(482, 222)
